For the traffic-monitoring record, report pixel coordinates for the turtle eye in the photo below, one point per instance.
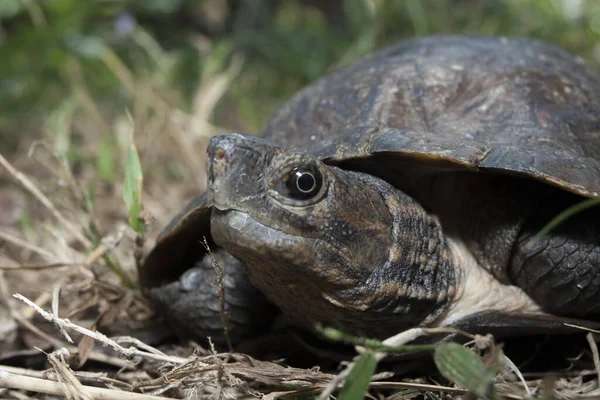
(304, 182)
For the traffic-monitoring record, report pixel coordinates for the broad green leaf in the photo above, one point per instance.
(132, 190)
(357, 382)
(464, 367)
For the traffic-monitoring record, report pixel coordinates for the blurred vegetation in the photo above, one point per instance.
(62, 56)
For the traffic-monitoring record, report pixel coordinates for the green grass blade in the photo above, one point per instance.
(372, 344)
(358, 380)
(132, 191)
(568, 213)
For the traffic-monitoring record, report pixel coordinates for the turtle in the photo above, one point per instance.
(403, 190)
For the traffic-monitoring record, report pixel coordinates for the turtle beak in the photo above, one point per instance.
(233, 162)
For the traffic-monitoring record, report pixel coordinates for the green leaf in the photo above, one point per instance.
(357, 382)
(132, 190)
(568, 213)
(462, 366)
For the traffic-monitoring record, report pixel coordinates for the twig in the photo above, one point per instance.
(22, 371)
(22, 382)
(511, 365)
(221, 290)
(335, 382)
(106, 359)
(565, 374)
(39, 266)
(54, 305)
(27, 312)
(126, 352)
(417, 386)
(94, 356)
(17, 241)
(64, 375)
(594, 348)
(37, 331)
(138, 343)
(33, 189)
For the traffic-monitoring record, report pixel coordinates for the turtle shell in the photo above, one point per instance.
(507, 104)
(512, 105)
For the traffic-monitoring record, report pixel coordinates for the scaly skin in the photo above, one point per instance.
(373, 264)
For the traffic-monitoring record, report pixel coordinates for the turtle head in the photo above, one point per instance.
(326, 245)
(287, 210)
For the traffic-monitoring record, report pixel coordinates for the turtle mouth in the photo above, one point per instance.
(231, 225)
(253, 242)
(220, 208)
(232, 218)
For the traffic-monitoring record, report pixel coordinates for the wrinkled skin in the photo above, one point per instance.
(360, 264)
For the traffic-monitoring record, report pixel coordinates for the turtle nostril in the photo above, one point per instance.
(219, 154)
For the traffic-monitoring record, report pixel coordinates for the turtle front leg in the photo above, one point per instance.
(561, 271)
(192, 304)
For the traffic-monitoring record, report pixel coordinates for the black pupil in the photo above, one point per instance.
(305, 182)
